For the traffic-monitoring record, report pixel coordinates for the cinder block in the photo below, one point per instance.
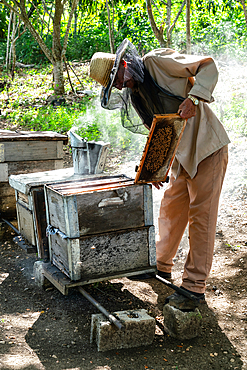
(39, 277)
(182, 325)
(139, 330)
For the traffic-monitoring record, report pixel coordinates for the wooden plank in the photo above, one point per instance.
(58, 164)
(152, 246)
(59, 253)
(109, 253)
(63, 283)
(7, 201)
(148, 205)
(40, 223)
(57, 278)
(71, 217)
(105, 211)
(59, 149)
(86, 183)
(7, 135)
(25, 223)
(18, 151)
(23, 198)
(160, 149)
(56, 211)
(2, 159)
(103, 255)
(25, 182)
(16, 168)
(3, 172)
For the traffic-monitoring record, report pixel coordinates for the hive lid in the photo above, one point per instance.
(160, 149)
(7, 135)
(88, 184)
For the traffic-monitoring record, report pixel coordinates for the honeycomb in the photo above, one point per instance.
(160, 144)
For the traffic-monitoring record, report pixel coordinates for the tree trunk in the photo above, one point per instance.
(158, 32)
(12, 49)
(57, 50)
(8, 40)
(188, 37)
(168, 22)
(57, 53)
(169, 31)
(109, 27)
(244, 9)
(58, 77)
(75, 23)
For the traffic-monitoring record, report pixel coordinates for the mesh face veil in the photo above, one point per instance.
(112, 98)
(146, 98)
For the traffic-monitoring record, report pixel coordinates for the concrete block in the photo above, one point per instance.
(39, 277)
(182, 325)
(139, 330)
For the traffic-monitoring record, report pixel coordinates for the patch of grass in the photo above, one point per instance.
(59, 119)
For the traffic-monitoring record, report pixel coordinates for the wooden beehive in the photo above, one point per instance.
(160, 149)
(100, 227)
(26, 152)
(30, 205)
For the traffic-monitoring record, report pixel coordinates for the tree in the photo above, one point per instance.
(56, 54)
(159, 31)
(244, 9)
(188, 37)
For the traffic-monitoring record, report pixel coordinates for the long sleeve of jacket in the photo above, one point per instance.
(197, 75)
(176, 70)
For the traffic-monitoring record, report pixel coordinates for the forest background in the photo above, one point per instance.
(46, 46)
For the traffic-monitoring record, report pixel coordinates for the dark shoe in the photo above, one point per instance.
(164, 275)
(183, 303)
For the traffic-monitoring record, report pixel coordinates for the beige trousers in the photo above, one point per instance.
(195, 201)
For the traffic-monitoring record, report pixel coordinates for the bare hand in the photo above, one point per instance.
(157, 185)
(187, 109)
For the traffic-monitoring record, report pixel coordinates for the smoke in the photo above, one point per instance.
(231, 97)
(109, 124)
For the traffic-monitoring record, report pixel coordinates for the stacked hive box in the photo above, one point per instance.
(25, 152)
(101, 228)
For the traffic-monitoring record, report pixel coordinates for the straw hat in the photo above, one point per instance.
(103, 69)
(100, 67)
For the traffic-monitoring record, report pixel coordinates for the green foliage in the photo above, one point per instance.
(137, 28)
(91, 38)
(2, 52)
(59, 119)
(217, 27)
(29, 52)
(89, 132)
(3, 22)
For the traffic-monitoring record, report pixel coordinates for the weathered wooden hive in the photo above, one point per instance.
(25, 152)
(30, 203)
(100, 227)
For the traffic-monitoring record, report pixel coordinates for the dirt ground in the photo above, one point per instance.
(42, 329)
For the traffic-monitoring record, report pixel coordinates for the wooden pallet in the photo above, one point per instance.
(57, 278)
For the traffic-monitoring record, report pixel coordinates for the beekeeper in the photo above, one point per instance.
(164, 81)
